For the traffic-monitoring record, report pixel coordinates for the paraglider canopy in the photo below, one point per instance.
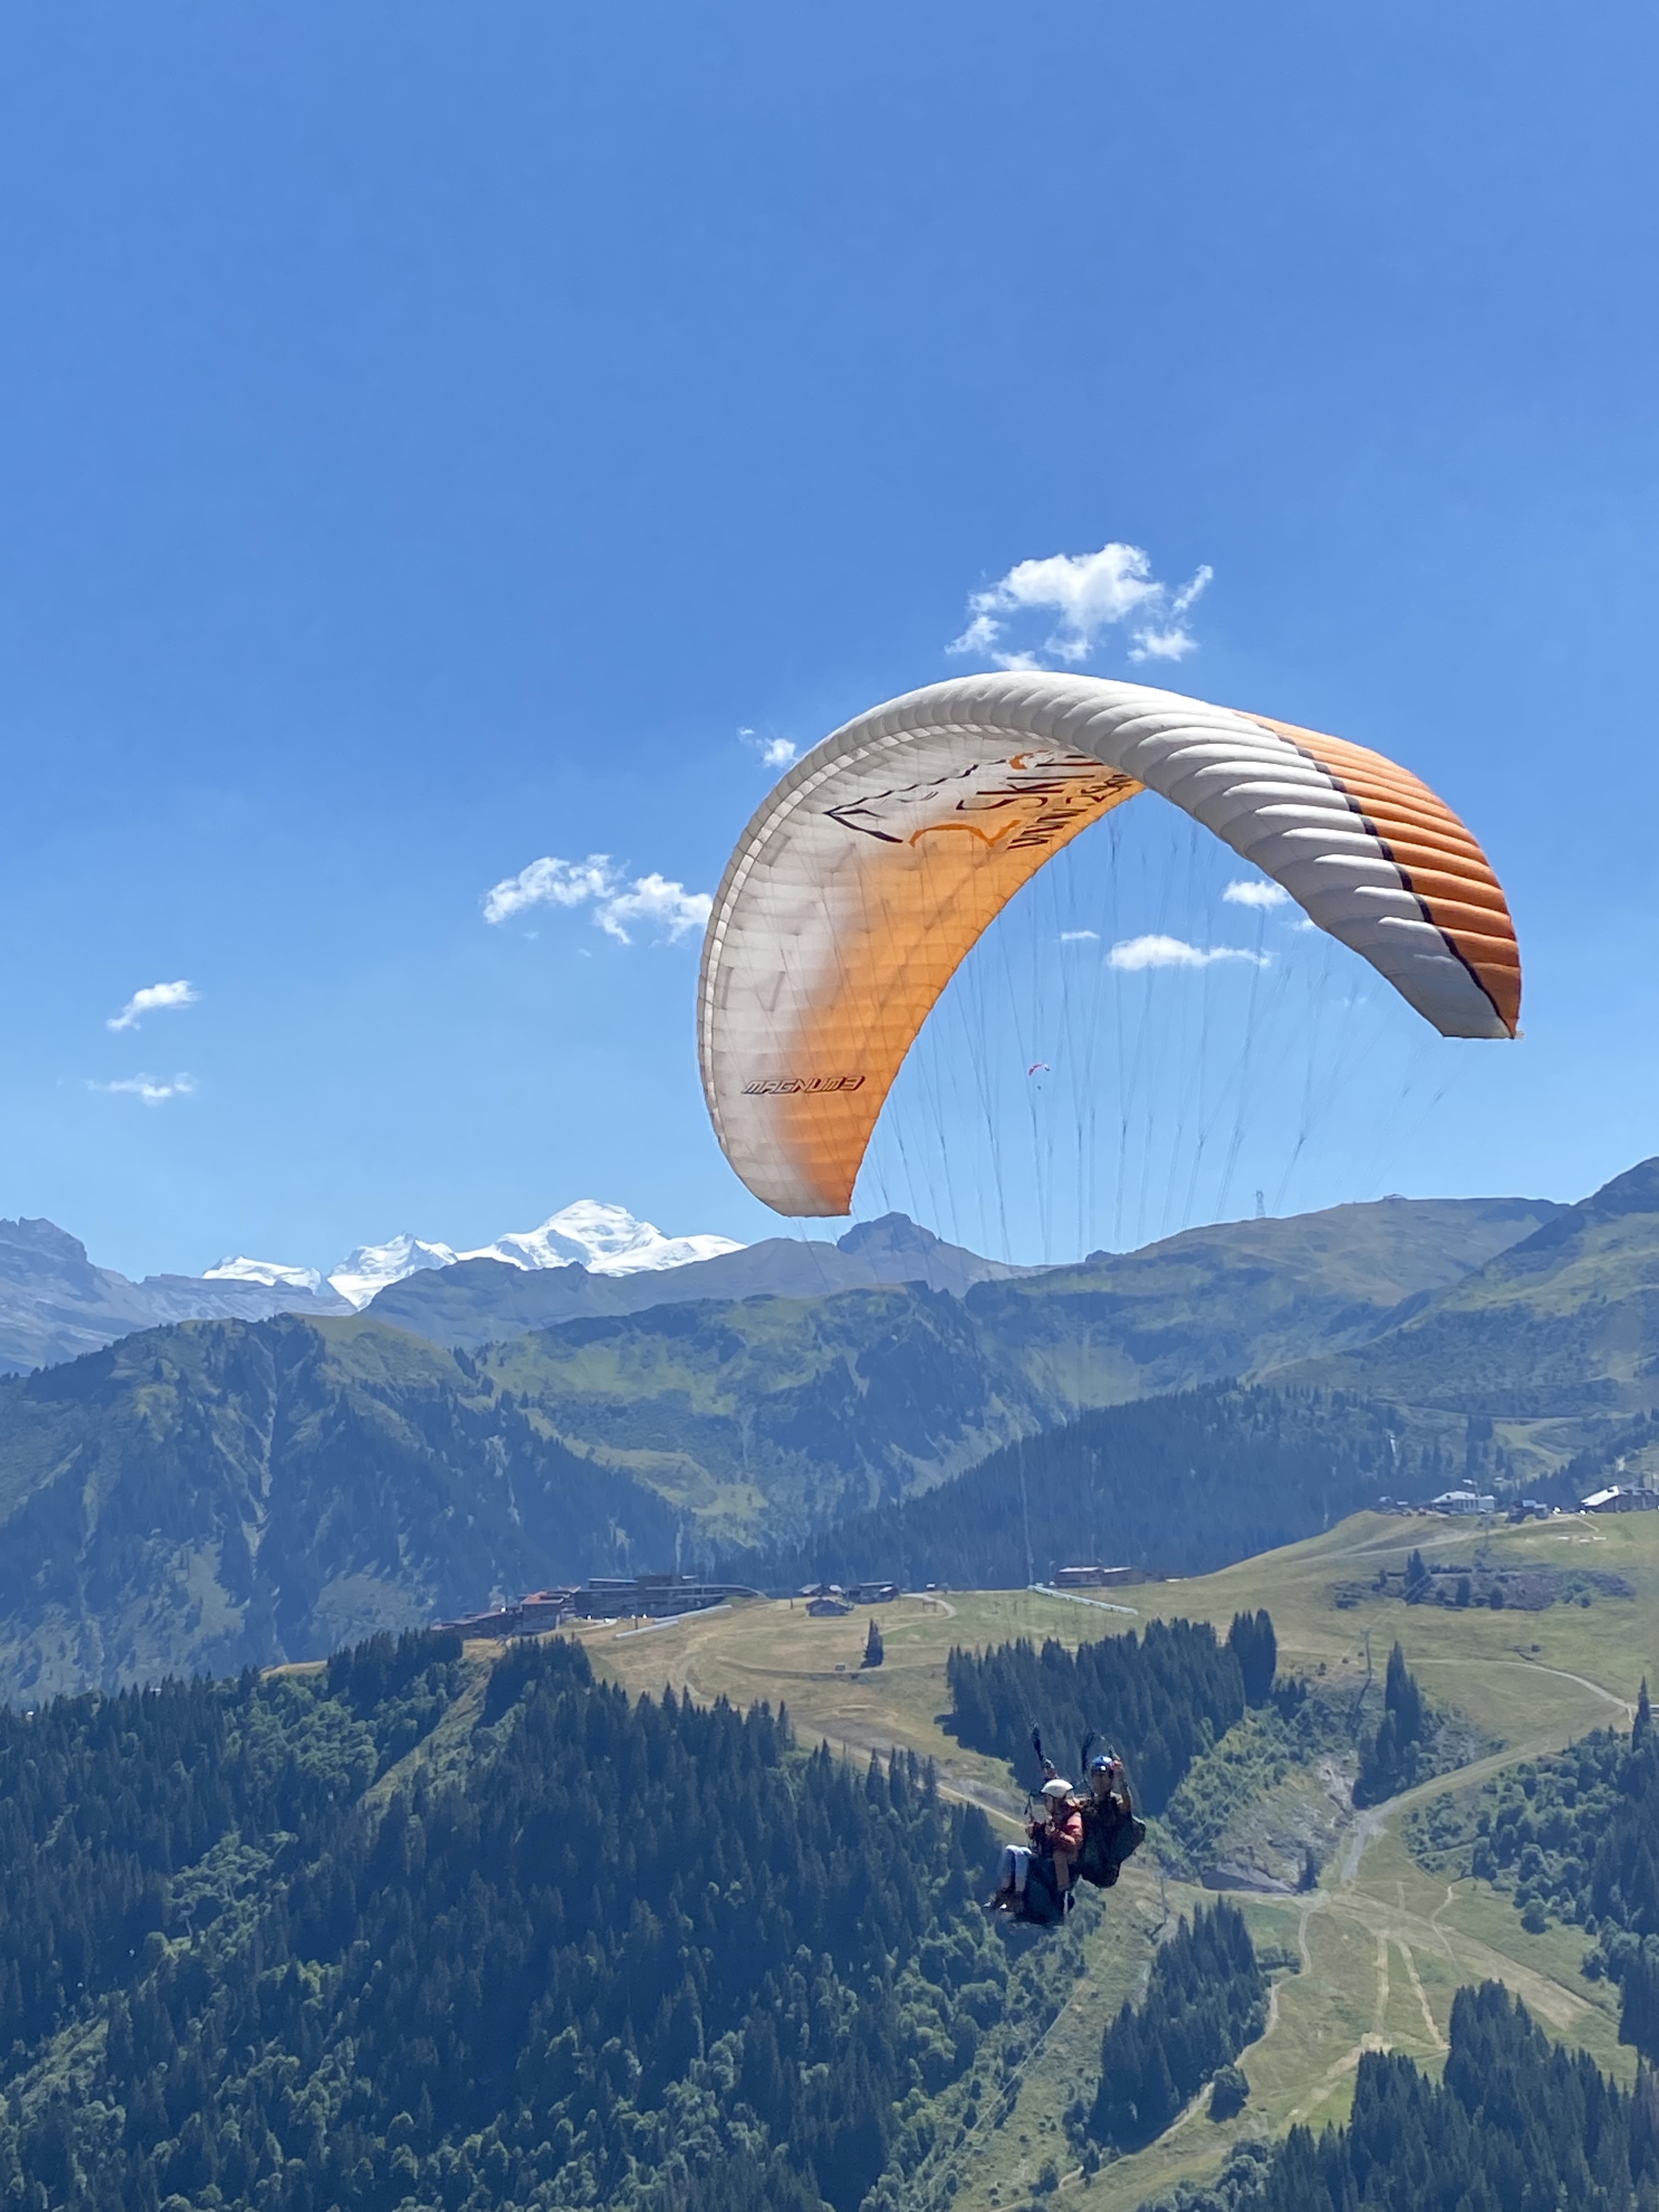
(876, 864)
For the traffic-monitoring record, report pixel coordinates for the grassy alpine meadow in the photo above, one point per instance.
(1370, 1957)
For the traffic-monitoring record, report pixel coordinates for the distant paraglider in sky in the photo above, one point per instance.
(880, 859)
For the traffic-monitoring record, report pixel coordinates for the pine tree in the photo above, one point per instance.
(1639, 2018)
(1389, 1759)
(1252, 1641)
(874, 1653)
(1644, 1727)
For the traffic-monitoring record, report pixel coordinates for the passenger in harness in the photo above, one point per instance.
(1110, 1830)
(1036, 1881)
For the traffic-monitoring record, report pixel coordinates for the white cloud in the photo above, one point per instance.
(670, 907)
(616, 904)
(1138, 953)
(1175, 640)
(1172, 644)
(1092, 593)
(775, 753)
(1079, 936)
(551, 883)
(154, 998)
(1257, 890)
(150, 1090)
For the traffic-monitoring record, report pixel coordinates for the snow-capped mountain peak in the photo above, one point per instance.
(271, 1273)
(370, 1268)
(606, 1240)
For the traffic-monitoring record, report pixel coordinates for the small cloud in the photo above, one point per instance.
(1092, 593)
(154, 998)
(148, 1089)
(670, 907)
(1079, 936)
(1257, 890)
(775, 753)
(1138, 953)
(551, 883)
(1173, 644)
(616, 904)
(1175, 640)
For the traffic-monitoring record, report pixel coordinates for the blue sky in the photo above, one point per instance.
(428, 435)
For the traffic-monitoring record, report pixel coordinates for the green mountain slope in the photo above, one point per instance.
(1555, 1340)
(771, 1415)
(442, 1927)
(1241, 1296)
(1176, 1485)
(224, 1493)
(768, 1417)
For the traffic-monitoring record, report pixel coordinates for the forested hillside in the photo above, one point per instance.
(597, 1953)
(1558, 1332)
(1157, 1700)
(1177, 1486)
(1205, 1999)
(1518, 2124)
(227, 1493)
(1573, 1837)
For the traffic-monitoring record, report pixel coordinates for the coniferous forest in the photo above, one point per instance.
(1518, 2124)
(1574, 1838)
(626, 1953)
(587, 1950)
(1157, 1699)
(1178, 1485)
(1206, 1999)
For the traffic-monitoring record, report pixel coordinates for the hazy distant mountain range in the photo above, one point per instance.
(480, 1300)
(593, 1259)
(55, 1304)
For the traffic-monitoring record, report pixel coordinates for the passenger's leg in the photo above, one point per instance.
(1011, 1881)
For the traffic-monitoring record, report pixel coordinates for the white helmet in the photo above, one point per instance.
(1056, 1788)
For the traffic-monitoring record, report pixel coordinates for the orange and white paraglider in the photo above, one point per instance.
(875, 864)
